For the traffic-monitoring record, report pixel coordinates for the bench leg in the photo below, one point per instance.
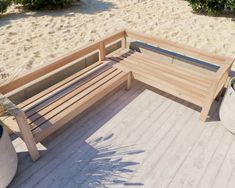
(220, 94)
(129, 81)
(205, 110)
(27, 136)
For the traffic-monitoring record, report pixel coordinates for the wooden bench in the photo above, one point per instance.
(174, 69)
(36, 117)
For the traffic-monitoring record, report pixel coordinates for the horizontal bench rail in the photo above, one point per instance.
(190, 51)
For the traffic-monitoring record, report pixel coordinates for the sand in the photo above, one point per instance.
(31, 39)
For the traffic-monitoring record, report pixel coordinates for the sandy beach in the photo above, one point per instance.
(31, 39)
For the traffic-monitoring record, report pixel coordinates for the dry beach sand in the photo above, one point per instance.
(30, 39)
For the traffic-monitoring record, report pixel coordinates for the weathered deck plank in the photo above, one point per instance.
(136, 138)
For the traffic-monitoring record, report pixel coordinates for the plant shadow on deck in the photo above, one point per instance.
(84, 7)
(99, 166)
(105, 166)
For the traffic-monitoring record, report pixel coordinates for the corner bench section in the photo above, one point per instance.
(196, 85)
(186, 53)
(171, 79)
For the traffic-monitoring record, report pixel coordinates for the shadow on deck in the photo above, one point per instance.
(101, 147)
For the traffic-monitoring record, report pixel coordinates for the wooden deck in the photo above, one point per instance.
(139, 138)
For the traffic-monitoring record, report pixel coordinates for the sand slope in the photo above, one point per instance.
(29, 40)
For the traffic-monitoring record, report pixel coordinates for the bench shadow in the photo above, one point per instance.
(83, 7)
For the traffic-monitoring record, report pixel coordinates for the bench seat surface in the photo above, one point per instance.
(189, 83)
(63, 101)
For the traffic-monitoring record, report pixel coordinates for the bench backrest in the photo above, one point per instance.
(43, 82)
(99, 47)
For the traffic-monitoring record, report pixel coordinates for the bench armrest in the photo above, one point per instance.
(26, 133)
(6, 105)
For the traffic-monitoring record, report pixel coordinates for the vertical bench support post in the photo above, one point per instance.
(208, 101)
(129, 81)
(102, 51)
(124, 41)
(27, 135)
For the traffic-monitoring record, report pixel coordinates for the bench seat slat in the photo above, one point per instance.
(53, 109)
(52, 98)
(173, 69)
(179, 79)
(166, 82)
(73, 110)
(38, 97)
(145, 70)
(163, 85)
(180, 70)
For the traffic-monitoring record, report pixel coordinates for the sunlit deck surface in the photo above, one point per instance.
(139, 138)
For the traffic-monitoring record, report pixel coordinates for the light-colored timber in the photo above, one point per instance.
(41, 112)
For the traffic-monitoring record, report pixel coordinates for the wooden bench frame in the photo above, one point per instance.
(220, 78)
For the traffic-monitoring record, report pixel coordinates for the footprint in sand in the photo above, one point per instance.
(175, 33)
(4, 75)
(9, 26)
(29, 64)
(93, 31)
(37, 53)
(51, 32)
(13, 32)
(82, 34)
